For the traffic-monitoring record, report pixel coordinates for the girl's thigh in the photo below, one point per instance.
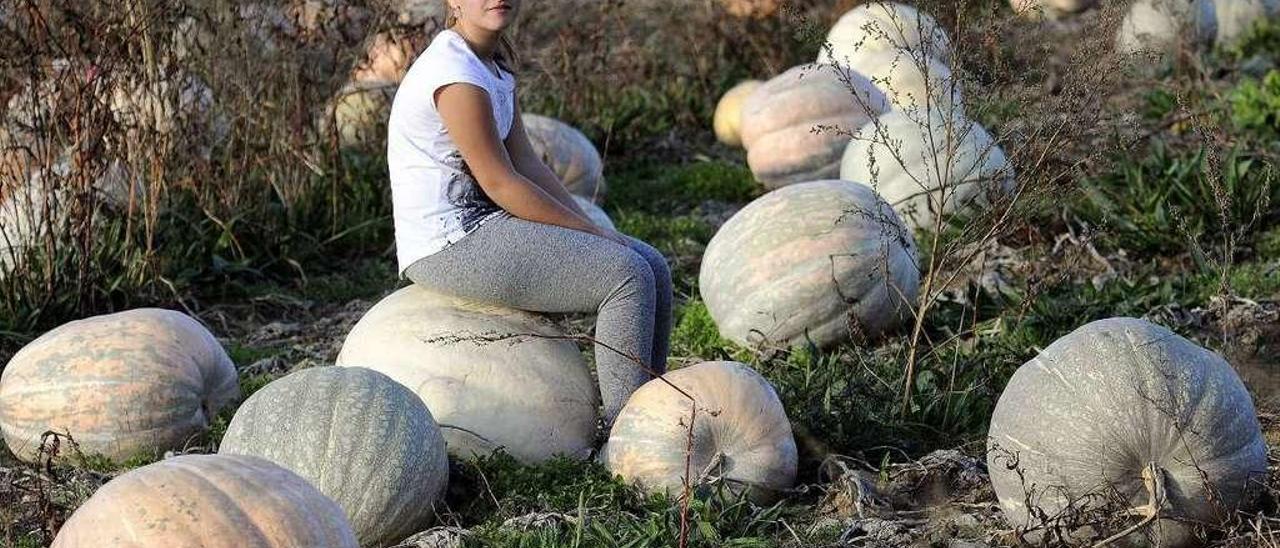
(532, 266)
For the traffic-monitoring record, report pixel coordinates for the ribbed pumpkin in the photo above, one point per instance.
(879, 26)
(362, 439)
(740, 432)
(1112, 398)
(597, 215)
(911, 83)
(917, 162)
(533, 396)
(360, 111)
(211, 501)
(1162, 27)
(1236, 17)
(780, 117)
(727, 121)
(120, 384)
(1049, 9)
(797, 261)
(568, 153)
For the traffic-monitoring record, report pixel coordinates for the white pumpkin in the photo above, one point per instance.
(911, 83)
(360, 111)
(727, 121)
(928, 165)
(597, 215)
(1162, 27)
(1049, 9)
(740, 433)
(798, 261)
(362, 439)
(796, 125)
(1235, 18)
(1112, 398)
(120, 384)
(878, 26)
(568, 153)
(176, 107)
(533, 396)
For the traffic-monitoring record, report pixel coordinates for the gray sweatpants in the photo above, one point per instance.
(546, 268)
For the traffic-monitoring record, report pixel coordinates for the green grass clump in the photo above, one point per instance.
(1263, 38)
(1255, 105)
(696, 335)
(659, 188)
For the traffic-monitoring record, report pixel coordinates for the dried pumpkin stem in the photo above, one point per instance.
(1153, 480)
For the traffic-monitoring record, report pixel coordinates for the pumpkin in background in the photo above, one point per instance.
(915, 162)
(879, 26)
(415, 13)
(1114, 398)
(909, 82)
(727, 121)
(740, 432)
(755, 9)
(362, 439)
(1235, 18)
(568, 153)
(796, 262)
(780, 117)
(1163, 27)
(1049, 9)
(178, 107)
(360, 112)
(532, 396)
(388, 56)
(212, 501)
(597, 215)
(120, 384)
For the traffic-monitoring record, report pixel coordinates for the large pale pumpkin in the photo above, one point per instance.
(359, 112)
(926, 166)
(597, 215)
(798, 261)
(568, 153)
(783, 121)
(740, 432)
(1162, 27)
(362, 439)
(211, 501)
(727, 121)
(120, 384)
(878, 26)
(533, 396)
(1112, 398)
(1049, 9)
(1235, 18)
(910, 82)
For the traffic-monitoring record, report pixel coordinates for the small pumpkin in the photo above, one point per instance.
(1235, 18)
(1049, 9)
(532, 396)
(359, 112)
(1114, 401)
(917, 162)
(753, 9)
(120, 384)
(362, 439)
(568, 153)
(1163, 27)
(790, 123)
(880, 26)
(213, 501)
(909, 82)
(727, 121)
(797, 262)
(740, 433)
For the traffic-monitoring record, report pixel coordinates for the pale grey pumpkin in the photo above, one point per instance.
(532, 396)
(1102, 403)
(1236, 17)
(359, 112)
(797, 261)
(362, 439)
(796, 125)
(1049, 9)
(881, 26)
(141, 380)
(1162, 27)
(740, 432)
(568, 153)
(597, 215)
(918, 85)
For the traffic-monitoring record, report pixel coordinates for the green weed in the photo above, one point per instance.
(1255, 105)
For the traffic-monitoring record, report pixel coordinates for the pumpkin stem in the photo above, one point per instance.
(1153, 480)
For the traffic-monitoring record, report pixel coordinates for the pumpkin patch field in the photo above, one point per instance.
(952, 274)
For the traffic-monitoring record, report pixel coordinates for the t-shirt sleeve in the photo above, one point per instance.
(453, 69)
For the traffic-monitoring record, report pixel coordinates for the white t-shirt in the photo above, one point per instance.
(435, 199)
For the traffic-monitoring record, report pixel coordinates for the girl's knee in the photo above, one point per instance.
(629, 268)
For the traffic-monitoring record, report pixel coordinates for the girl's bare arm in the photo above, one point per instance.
(527, 162)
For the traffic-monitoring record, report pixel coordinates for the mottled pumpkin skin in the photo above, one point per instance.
(751, 432)
(916, 161)
(878, 26)
(727, 120)
(140, 380)
(1161, 27)
(211, 501)
(797, 261)
(362, 439)
(780, 117)
(1049, 9)
(568, 153)
(532, 396)
(1096, 406)
(910, 83)
(1236, 17)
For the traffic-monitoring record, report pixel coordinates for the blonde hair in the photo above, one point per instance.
(504, 56)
